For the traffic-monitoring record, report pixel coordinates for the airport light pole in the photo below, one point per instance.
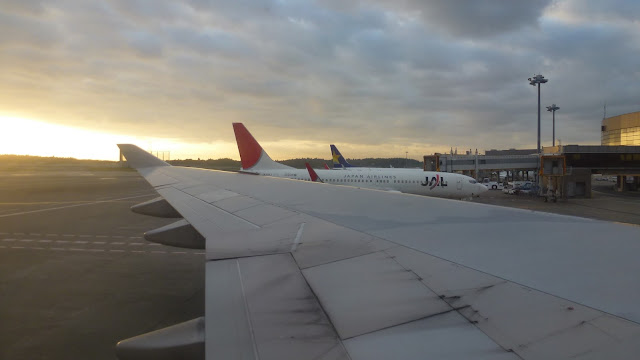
(553, 109)
(539, 80)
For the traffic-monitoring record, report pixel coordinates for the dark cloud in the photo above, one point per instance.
(441, 73)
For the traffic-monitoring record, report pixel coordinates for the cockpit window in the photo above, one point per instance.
(473, 181)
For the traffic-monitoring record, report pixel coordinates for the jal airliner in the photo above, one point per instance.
(448, 185)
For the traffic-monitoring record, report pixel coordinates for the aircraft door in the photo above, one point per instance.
(459, 185)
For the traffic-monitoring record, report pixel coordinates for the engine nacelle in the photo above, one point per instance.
(180, 234)
(158, 207)
(180, 341)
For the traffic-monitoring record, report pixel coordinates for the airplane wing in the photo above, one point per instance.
(299, 270)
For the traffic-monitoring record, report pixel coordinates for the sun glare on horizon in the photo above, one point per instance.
(20, 136)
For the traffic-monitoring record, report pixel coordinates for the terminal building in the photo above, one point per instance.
(621, 130)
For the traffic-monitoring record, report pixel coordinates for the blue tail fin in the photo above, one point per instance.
(338, 159)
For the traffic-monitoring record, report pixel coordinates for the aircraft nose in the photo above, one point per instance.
(481, 189)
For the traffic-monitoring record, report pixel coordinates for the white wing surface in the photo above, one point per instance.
(301, 270)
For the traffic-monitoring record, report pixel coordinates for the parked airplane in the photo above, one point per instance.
(298, 270)
(256, 161)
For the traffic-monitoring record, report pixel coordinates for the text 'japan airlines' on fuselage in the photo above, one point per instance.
(448, 185)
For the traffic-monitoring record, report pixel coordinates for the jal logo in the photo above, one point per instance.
(435, 181)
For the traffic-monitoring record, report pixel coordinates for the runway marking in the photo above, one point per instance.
(96, 250)
(18, 233)
(117, 243)
(34, 234)
(116, 250)
(99, 242)
(45, 241)
(82, 249)
(136, 244)
(158, 252)
(51, 235)
(17, 247)
(137, 251)
(68, 235)
(60, 249)
(102, 236)
(117, 237)
(74, 205)
(178, 252)
(80, 242)
(37, 248)
(63, 241)
(154, 244)
(84, 236)
(26, 240)
(135, 237)
(8, 239)
(76, 249)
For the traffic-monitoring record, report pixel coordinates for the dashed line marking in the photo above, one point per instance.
(137, 251)
(68, 235)
(60, 249)
(117, 243)
(51, 234)
(76, 249)
(99, 242)
(137, 244)
(178, 252)
(96, 250)
(135, 237)
(26, 240)
(84, 236)
(117, 237)
(37, 248)
(155, 245)
(17, 247)
(101, 236)
(116, 250)
(45, 241)
(18, 233)
(159, 252)
(63, 241)
(80, 242)
(8, 239)
(34, 234)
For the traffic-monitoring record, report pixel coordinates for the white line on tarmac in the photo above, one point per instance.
(26, 240)
(34, 234)
(80, 242)
(116, 250)
(8, 239)
(68, 235)
(17, 247)
(117, 243)
(137, 244)
(18, 233)
(51, 234)
(63, 241)
(159, 252)
(72, 206)
(45, 241)
(99, 242)
(101, 236)
(85, 236)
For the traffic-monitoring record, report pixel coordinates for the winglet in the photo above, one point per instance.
(252, 155)
(138, 158)
(338, 160)
(312, 173)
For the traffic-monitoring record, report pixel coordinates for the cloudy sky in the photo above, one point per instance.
(377, 78)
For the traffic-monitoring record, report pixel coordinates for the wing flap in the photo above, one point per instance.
(261, 307)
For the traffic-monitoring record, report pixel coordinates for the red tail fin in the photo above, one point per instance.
(326, 167)
(248, 147)
(312, 173)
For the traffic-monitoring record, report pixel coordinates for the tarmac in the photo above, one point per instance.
(76, 276)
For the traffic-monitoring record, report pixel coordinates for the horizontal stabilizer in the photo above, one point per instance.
(180, 341)
(138, 158)
(158, 207)
(179, 234)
